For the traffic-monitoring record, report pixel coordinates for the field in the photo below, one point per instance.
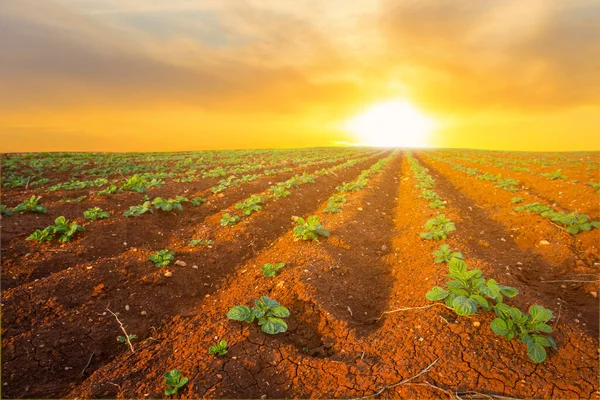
(359, 323)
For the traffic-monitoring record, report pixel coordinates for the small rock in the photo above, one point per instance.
(124, 243)
(143, 313)
(519, 263)
(502, 240)
(576, 320)
(219, 376)
(594, 294)
(126, 307)
(563, 286)
(476, 324)
(359, 208)
(168, 274)
(383, 248)
(195, 266)
(544, 242)
(180, 263)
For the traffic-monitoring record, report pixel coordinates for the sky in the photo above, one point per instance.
(155, 75)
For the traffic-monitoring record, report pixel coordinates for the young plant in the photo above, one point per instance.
(438, 228)
(95, 213)
(517, 200)
(169, 204)
(334, 204)
(229, 220)
(555, 175)
(272, 269)
(62, 228)
(123, 339)
(438, 203)
(268, 312)
(250, 205)
(280, 191)
(444, 254)
(309, 229)
(575, 222)
(31, 205)
(162, 258)
(5, 210)
(173, 381)
(112, 188)
(75, 200)
(528, 328)
(136, 211)
(468, 290)
(196, 242)
(508, 184)
(218, 349)
(196, 201)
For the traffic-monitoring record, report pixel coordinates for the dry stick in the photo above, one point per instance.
(412, 308)
(88, 364)
(557, 318)
(123, 329)
(400, 383)
(491, 396)
(574, 281)
(448, 392)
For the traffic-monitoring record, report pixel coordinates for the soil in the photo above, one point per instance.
(346, 336)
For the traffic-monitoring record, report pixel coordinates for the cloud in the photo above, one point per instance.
(532, 55)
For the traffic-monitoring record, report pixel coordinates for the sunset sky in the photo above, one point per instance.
(162, 75)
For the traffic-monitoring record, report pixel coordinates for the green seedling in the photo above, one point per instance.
(162, 258)
(62, 229)
(219, 349)
(508, 184)
(528, 328)
(250, 205)
(438, 228)
(444, 254)
(111, 189)
(95, 213)
(196, 242)
(169, 204)
(31, 205)
(75, 200)
(307, 178)
(334, 204)
(173, 382)
(279, 191)
(196, 201)
(517, 200)
(555, 175)
(437, 204)
(229, 220)
(136, 211)
(123, 339)
(268, 312)
(309, 229)
(272, 269)
(5, 210)
(468, 290)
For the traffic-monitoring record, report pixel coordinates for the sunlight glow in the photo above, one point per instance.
(391, 124)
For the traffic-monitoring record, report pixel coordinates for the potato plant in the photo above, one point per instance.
(95, 213)
(169, 204)
(438, 228)
(31, 205)
(229, 220)
(309, 229)
(173, 382)
(136, 211)
(250, 205)
(270, 270)
(5, 210)
(444, 254)
(63, 230)
(162, 258)
(219, 349)
(268, 312)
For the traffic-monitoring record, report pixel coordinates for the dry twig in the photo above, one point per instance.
(123, 329)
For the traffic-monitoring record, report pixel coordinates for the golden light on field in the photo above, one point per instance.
(394, 123)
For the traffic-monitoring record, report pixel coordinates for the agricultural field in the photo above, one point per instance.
(322, 273)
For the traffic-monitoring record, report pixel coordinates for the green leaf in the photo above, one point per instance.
(508, 291)
(270, 303)
(573, 230)
(480, 300)
(274, 325)
(458, 268)
(241, 313)
(437, 293)
(464, 306)
(539, 313)
(536, 352)
(552, 342)
(280, 312)
(499, 327)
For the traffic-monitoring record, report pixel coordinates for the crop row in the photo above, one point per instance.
(573, 222)
(468, 291)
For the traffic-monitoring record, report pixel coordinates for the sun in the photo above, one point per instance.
(394, 123)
